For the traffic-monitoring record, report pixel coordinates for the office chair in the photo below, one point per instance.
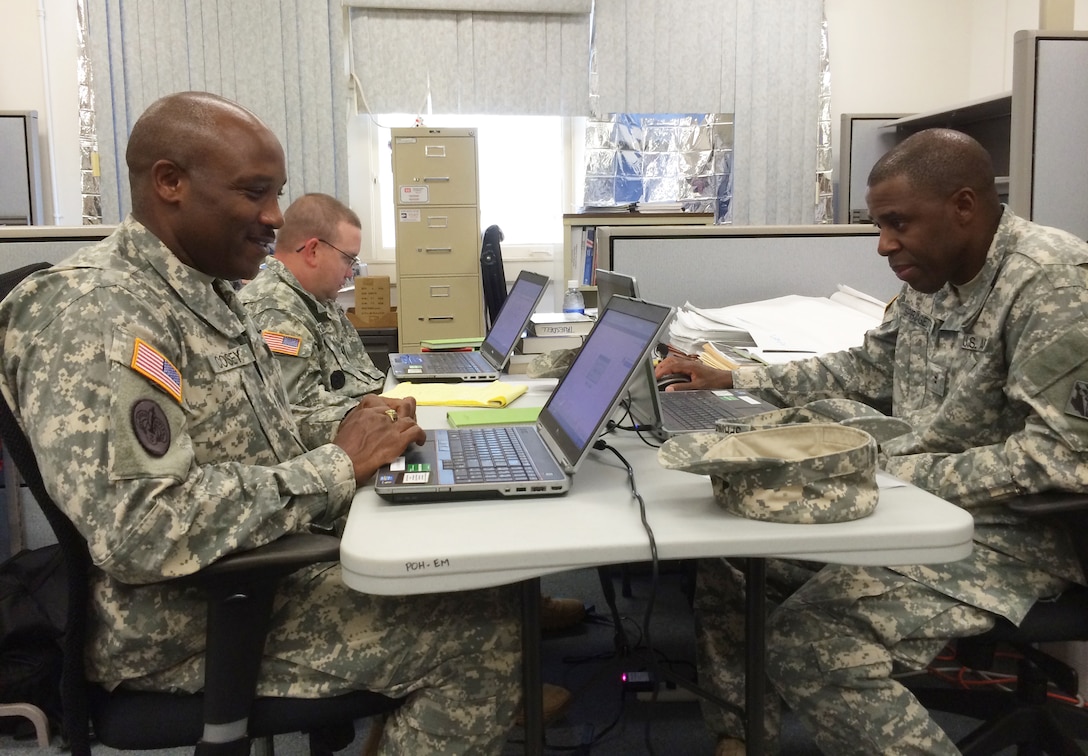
(492, 274)
(240, 588)
(1027, 717)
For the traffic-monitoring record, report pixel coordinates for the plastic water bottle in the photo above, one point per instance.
(572, 301)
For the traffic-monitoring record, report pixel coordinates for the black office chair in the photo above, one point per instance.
(240, 590)
(1027, 716)
(491, 273)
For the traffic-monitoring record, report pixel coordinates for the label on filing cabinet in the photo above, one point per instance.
(409, 216)
(414, 195)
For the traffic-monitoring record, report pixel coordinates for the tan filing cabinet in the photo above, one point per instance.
(439, 291)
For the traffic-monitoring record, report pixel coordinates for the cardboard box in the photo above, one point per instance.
(372, 296)
(386, 319)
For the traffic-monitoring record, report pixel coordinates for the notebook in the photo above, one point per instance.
(488, 362)
(611, 283)
(538, 459)
(667, 413)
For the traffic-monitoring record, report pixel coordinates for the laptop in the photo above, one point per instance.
(611, 283)
(487, 363)
(535, 460)
(668, 413)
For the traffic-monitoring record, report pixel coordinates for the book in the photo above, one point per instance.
(543, 344)
(519, 363)
(505, 416)
(451, 345)
(559, 324)
(590, 261)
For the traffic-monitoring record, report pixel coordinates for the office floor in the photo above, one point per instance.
(602, 720)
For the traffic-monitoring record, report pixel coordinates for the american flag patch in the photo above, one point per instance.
(281, 343)
(149, 362)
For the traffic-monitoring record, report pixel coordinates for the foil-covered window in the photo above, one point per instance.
(654, 159)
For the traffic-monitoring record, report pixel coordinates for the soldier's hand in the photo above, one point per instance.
(405, 407)
(376, 435)
(700, 375)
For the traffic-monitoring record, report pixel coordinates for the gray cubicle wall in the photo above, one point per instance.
(715, 266)
(1048, 174)
(22, 245)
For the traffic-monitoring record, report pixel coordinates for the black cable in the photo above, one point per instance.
(658, 672)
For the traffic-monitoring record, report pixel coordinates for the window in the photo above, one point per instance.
(524, 172)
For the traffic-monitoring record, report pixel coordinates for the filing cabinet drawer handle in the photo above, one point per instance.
(440, 179)
(435, 150)
(433, 318)
(437, 250)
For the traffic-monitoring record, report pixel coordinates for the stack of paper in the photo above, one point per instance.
(490, 394)
(783, 328)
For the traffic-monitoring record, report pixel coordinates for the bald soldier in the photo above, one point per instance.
(161, 426)
(984, 354)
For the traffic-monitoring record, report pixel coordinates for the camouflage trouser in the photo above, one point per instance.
(456, 657)
(834, 637)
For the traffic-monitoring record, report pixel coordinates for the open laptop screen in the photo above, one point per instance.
(619, 342)
(511, 320)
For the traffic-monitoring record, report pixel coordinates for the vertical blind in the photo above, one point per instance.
(759, 60)
(282, 59)
(288, 60)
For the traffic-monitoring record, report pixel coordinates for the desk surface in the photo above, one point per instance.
(423, 548)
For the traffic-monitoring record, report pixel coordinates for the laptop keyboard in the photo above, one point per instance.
(480, 455)
(689, 410)
(443, 362)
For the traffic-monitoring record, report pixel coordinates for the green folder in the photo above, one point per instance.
(504, 416)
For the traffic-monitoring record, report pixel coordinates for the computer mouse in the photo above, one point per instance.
(670, 378)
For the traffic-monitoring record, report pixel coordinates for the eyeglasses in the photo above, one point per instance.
(352, 261)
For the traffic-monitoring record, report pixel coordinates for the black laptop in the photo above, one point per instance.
(487, 363)
(534, 460)
(667, 413)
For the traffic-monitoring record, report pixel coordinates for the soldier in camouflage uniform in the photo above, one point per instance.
(161, 426)
(985, 354)
(325, 368)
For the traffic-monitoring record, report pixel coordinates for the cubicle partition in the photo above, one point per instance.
(715, 266)
(23, 245)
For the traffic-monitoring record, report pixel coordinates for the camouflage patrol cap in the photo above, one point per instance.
(843, 411)
(803, 473)
(553, 364)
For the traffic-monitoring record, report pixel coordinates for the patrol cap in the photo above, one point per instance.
(802, 473)
(843, 411)
(553, 364)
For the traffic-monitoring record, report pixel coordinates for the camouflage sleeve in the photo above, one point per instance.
(158, 487)
(318, 411)
(864, 373)
(1047, 342)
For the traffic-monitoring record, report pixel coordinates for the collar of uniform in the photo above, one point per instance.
(312, 304)
(195, 289)
(960, 314)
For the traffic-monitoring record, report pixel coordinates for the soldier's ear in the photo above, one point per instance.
(169, 181)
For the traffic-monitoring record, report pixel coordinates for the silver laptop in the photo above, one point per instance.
(534, 460)
(611, 283)
(487, 363)
(668, 413)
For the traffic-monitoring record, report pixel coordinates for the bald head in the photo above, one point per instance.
(180, 128)
(206, 175)
(938, 162)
